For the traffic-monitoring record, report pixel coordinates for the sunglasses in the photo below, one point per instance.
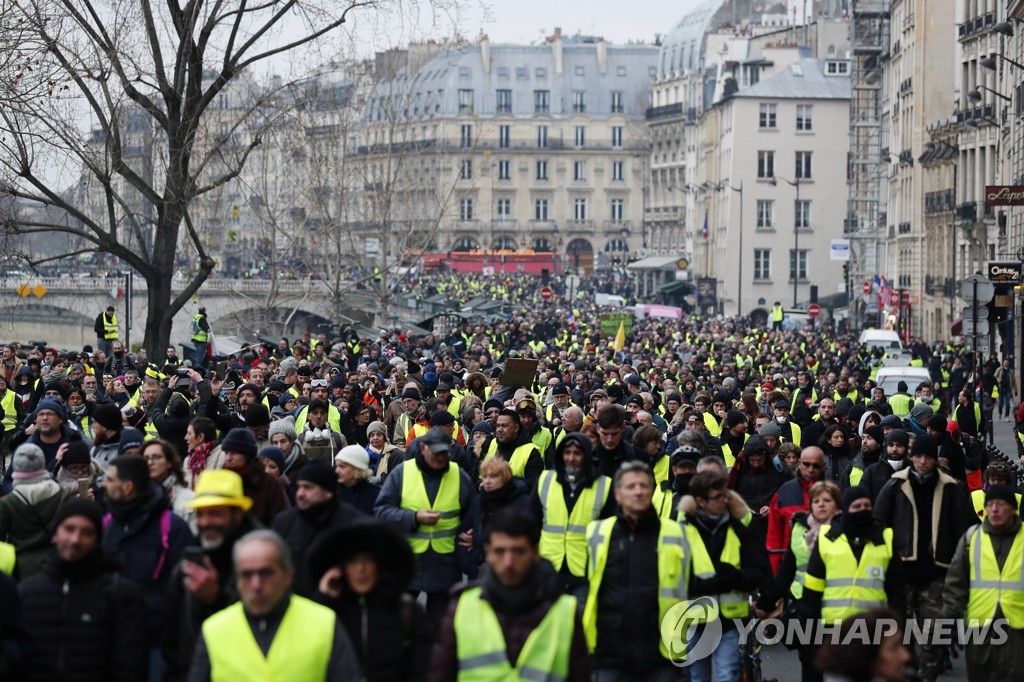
(811, 465)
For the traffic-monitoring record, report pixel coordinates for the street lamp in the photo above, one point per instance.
(796, 232)
(990, 62)
(739, 278)
(976, 96)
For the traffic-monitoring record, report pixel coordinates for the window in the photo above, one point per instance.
(578, 171)
(617, 170)
(541, 101)
(579, 209)
(464, 72)
(767, 117)
(466, 136)
(580, 71)
(617, 136)
(504, 209)
(803, 117)
(621, 71)
(504, 170)
(579, 101)
(617, 107)
(762, 265)
(502, 72)
(542, 137)
(618, 209)
(504, 136)
(766, 164)
(798, 263)
(803, 165)
(837, 68)
(466, 170)
(542, 170)
(581, 136)
(540, 209)
(521, 74)
(466, 209)
(541, 72)
(465, 101)
(503, 102)
(765, 214)
(802, 211)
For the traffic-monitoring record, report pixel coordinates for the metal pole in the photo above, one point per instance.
(974, 334)
(796, 242)
(127, 310)
(739, 275)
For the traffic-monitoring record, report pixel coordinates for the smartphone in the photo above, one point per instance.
(196, 555)
(83, 487)
(221, 369)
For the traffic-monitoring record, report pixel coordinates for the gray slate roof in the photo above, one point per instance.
(806, 79)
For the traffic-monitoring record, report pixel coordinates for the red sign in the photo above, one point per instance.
(894, 298)
(906, 298)
(814, 310)
(867, 287)
(546, 294)
(1004, 195)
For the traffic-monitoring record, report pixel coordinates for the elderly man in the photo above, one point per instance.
(791, 498)
(237, 643)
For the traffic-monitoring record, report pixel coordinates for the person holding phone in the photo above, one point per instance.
(75, 471)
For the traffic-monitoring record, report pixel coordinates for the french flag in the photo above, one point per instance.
(704, 233)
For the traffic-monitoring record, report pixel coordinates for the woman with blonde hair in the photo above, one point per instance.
(498, 490)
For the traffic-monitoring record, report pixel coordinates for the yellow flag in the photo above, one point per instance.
(620, 337)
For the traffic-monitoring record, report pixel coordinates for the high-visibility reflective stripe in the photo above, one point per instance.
(870, 583)
(481, 660)
(574, 528)
(439, 534)
(978, 582)
(534, 675)
(449, 514)
(855, 603)
(602, 485)
(550, 528)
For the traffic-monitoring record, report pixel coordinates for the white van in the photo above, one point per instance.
(889, 342)
(888, 378)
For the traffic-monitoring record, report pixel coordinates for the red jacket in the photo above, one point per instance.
(792, 498)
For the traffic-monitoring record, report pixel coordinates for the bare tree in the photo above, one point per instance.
(113, 129)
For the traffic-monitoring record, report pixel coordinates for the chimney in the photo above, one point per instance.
(556, 49)
(602, 55)
(485, 53)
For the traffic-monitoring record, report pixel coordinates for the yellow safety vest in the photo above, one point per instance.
(713, 426)
(661, 470)
(563, 535)
(301, 649)
(520, 456)
(900, 404)
(482, 651)
(733, 604)
(542, 439)
(977, 415)
(441, 536)
(333, 418)
(978, 500)
(991, 587)
(201, 335)
(8, 556)
(673, 575)
(801, 552)
(850, 587)
(110, 327)
(730, 458)
(10, 420)
(777, 313)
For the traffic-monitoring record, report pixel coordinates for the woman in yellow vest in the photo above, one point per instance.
(850, 570)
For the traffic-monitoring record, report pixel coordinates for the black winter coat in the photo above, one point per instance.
(362, 496)
(87, 622)
(300, 529)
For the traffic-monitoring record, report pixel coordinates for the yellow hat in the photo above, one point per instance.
(220, 488)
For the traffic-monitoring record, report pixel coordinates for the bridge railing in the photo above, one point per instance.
(98, 284)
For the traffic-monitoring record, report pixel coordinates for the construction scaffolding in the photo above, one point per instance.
(866, 224)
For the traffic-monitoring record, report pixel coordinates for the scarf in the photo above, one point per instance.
(811, 535)
(197, 457)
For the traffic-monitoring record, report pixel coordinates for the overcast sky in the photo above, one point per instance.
(521, 21)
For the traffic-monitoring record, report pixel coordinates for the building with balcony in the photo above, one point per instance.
(490, 149)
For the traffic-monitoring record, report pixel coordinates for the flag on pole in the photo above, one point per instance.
(704, 234)
(620, 338)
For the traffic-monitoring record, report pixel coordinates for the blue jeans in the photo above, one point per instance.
(1005, 402)
(200, 358)
(726, 659)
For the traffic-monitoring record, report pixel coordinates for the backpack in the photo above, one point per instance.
(165, 532)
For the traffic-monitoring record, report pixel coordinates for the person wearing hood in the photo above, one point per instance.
(927, 513)
(876, 475)
(871, 447)
(87, 623)
(26, 515)
(772, 435)
(145, 537)
(567, 498)
(917, 422)
(684, 465)
(788, 583)
(756, 480)
(362, 570)
(984, 555)
(728, 562)
(266, 492)
(851, 568)
(733, 436)
(835, 445)
(75, 471)
(514, 623)
(316, 513)
(107, 423)
(498, 490)
(429, 497)
(948, 447)
(384, 456)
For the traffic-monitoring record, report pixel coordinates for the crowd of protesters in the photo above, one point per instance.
(404, 507)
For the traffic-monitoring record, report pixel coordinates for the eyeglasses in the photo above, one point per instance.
(717, 497)
(318, 383)
(811, 465)
(154, 458)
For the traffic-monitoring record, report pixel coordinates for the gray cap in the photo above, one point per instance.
(770, 430)
(437, 440)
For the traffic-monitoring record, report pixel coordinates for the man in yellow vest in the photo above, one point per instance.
(271, 634)
(106, 329)
(738, 565)
(490, 634)
(777, 316)
(565, 500)
(851, 568)
(200, 330)
(635, 566)
(429, 497)
(901, 401)
(985, 583)
(515, 445)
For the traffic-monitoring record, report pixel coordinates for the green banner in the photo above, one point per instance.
(610, 323)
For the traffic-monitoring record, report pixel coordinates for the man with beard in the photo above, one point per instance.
(825, 418)
(266, 493)
(878, 474)
(118, 363)
(317, 512)
(566, 499)
(870, 450)
(512, 443)
(201, 586)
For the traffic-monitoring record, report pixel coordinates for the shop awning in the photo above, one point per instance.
(671, 287)
(656, 263)
(957, 328)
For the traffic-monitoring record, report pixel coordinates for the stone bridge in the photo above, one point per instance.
(65, 311)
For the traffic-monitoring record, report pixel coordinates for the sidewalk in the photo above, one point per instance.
(1005, 439)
